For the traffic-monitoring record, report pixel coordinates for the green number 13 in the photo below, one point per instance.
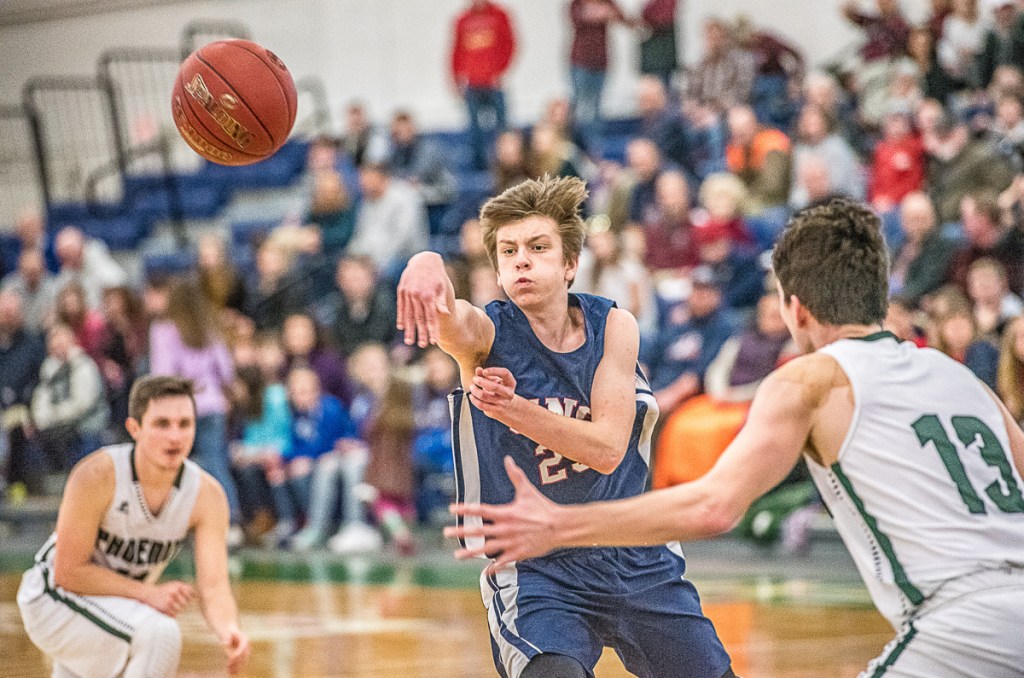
(972, 433)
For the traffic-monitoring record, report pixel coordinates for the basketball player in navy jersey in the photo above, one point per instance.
(91, 601)
(550, 378)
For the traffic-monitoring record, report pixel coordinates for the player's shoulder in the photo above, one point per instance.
(621, 328)
(815, 373)
(96, 469)
(211, 500)
(92, 481)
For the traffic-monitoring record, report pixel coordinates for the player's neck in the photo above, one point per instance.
(555, 325)
(823, 335)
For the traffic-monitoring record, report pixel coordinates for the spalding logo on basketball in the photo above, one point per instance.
(234, 102)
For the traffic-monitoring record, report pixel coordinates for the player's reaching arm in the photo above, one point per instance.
(210, 522)
(429, 313)
(599, 443)
(778, 429)
(87, 496)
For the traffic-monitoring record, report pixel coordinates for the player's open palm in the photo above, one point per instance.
(170, 597)
(422, 298)
(511, 532)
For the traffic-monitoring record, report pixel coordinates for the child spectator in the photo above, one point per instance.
(322, 449)
(303, 347)
(261, 412)
(432, 455)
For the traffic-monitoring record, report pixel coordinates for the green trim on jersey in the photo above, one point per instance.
(876, 336)
(909, 590)
(895, 653)
(60, 598)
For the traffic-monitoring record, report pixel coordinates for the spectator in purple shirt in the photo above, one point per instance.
(304, 348)
(186, 344)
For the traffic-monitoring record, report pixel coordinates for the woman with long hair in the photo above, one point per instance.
(186, 343)
(125, 347)
(1010, 373)
(87, 324)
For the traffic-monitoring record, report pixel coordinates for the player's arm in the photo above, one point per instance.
(87, 496)
(761, 456)
(428, 311)
(210, 520)
(599, 443)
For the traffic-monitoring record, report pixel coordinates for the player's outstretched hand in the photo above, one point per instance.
(517, 531)
(236, 648)
(493, 390)
(170, 597)
(422, 296)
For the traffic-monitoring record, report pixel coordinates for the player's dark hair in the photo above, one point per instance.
(834, 259)
(148, 389)
(558, 198)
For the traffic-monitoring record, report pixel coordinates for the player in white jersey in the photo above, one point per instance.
(919, 463)
(91, 601)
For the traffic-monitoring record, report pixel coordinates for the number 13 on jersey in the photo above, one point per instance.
(976, 438)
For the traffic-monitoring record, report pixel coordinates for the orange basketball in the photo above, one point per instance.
(234, 102)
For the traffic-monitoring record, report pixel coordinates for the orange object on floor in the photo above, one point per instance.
(694, 437)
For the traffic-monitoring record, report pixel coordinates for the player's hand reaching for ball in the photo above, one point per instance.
(236, 648)
(423, 293)
(516, 531)
(493, 391)
(170, 598)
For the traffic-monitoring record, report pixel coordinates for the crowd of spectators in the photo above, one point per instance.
(326, 430)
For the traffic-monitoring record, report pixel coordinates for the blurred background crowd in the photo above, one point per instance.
(327, 431)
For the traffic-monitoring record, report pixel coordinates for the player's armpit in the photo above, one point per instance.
(467, 335)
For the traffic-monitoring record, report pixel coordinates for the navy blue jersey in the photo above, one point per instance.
(561, 382)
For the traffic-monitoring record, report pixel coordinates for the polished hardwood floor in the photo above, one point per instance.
(380, 621)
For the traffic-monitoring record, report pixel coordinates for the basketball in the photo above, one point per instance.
(234, 102)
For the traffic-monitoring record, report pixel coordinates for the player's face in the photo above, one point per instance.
(165, 435)
(531, 265)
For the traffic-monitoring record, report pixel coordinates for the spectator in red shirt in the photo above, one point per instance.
(484, 44)
(589, 61)
(668, 233)
(899, 162)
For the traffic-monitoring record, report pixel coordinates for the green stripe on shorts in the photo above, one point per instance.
(60, 598)
(895, 653)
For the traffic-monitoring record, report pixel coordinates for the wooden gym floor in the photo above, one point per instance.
(383, 617)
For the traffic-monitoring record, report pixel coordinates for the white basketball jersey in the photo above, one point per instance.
(925, 489)
(131, 540)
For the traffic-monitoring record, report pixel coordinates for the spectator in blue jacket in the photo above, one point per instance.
(687, 343)
(322, 447)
